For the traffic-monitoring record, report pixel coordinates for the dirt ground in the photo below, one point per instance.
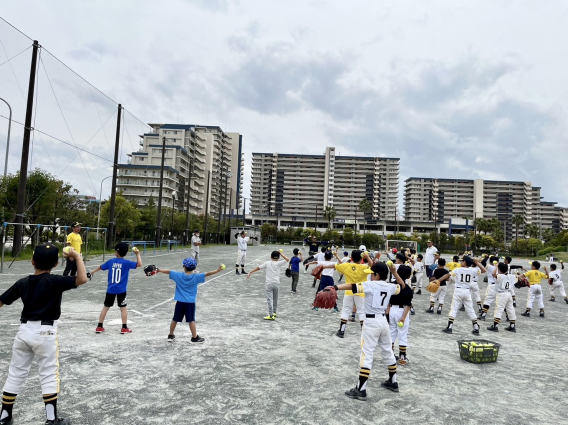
(292, 370)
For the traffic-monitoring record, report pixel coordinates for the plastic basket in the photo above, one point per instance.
(478, 350)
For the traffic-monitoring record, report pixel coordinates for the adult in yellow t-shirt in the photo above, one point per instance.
(534, 277)
(354, 272)
(73, 240)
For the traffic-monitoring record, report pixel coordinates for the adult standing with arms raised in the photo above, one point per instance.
(430, 257)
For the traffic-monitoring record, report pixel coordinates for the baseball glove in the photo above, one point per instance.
(326, 298)
(89, 276)
(288, 273)
(433, 286)
(150, 270)
(522, 281)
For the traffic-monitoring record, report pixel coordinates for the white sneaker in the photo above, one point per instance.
(305, 271)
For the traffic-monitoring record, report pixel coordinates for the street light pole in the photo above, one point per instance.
(100, 202)
(8, 139)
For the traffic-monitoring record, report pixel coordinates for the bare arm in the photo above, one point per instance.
(139, 262)
(213, 272)
(1, 304)
(163, 271)
(405, 313)
(284, 256)
(253, 271)
(81, 278)
(546, 271)
(344, 287)
(478, 264)
(98, 269)
(301, 257)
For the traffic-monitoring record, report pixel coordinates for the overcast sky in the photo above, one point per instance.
(462, 89)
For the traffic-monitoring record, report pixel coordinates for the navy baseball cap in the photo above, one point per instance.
(46, 256)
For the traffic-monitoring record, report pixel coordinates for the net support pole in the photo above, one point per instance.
(110, 233)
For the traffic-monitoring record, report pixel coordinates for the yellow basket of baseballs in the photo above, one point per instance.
(478, 350)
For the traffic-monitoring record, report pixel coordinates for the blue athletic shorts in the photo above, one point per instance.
(186, 310)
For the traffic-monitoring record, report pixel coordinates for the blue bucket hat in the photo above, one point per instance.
(189, 263)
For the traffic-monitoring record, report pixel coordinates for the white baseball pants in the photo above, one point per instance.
(401, 333)
(347, 309)
(504, 301)
(560, 287)
(490, 294)
(195, 255)
(462, 296)
(38, 341)
(535, 294)
(419, 277)
(474, 289)
(376, 332)
(439, 295)
(241, 257)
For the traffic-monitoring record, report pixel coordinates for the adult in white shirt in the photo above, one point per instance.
(430, 257)
(195, 243)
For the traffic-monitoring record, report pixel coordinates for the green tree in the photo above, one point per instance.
(127, 216)
(532, 231)
(329, 213)
(548, 234)
(365, 206)
(518, 221)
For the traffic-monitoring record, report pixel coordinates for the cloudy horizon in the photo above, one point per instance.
(456, 90)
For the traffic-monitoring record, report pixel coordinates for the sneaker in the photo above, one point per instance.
(269, 317)
(352, 319)
(514, 304)
(59, 421)
(480, 309)
(566, 299)
(541, 314)
(482, 317)
(274, 315)
(356, 394)
(439, 311)
(510, 329)
(99, 330)
(243, 271)
(197, 339)
(335, 310)
(447, 330)
(237, 272)
(412, 311)
(475, 331)
(340, 334)
(462, 308)
(171, 338)
(305, 271)
(552, 299)
(125, 331)
(493, 328)
(526, 314)
(403, 361)
(393, 386)
(7, 421)
(419, 292)
(430, 310)
(315, 308)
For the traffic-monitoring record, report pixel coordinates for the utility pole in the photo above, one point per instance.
(230, 208)
(159, 220)
(220, 193)
(227, 177)
(21, 201)
(110, 234)
(206, 209)
(173, 214)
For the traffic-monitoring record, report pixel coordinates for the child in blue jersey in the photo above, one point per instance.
(118, 271)
(186, 292)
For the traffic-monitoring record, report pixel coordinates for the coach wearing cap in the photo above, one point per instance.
(73, 240)
(430, 257)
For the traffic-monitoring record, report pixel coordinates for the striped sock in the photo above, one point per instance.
(342, 325)
(450, 322)
(8, 400)
(363, 378)
(512, 323)
(402, 351)
(50, 401)
(392, 373)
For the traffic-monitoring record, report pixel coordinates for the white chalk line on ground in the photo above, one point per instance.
(209, 280)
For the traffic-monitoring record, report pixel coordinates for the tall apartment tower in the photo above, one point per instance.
(303, 185)
(216, 157)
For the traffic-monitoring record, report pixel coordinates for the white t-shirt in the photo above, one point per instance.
(430, 255)
(273, 271)
(344, 260)
(194, 240)
(242, 242)
(327, 272)
(320, 256)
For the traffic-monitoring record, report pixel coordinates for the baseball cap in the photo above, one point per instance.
(296, 251)
(121, 248)
(362, 248)
(196, 231)
(345, 253)
(428, 241)
(46, 256)
(468, 260)
(394, 250)
(189, 263)
(379, 268)
(275, 255)
(75, 224)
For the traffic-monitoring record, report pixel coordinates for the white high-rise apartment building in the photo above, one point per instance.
(217, 175)
(428, 199)
(303, 185)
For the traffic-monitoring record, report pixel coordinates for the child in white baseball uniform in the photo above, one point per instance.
(503, 299)
(418, 274)
(272, 285)
(474, 288)
(464, 277)
(490, 292)
(376, 330)
(398, 313)
(344, 260)
(242, 242)
(441, 275)
(41, 295)
(555, 280)
(534, 277)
